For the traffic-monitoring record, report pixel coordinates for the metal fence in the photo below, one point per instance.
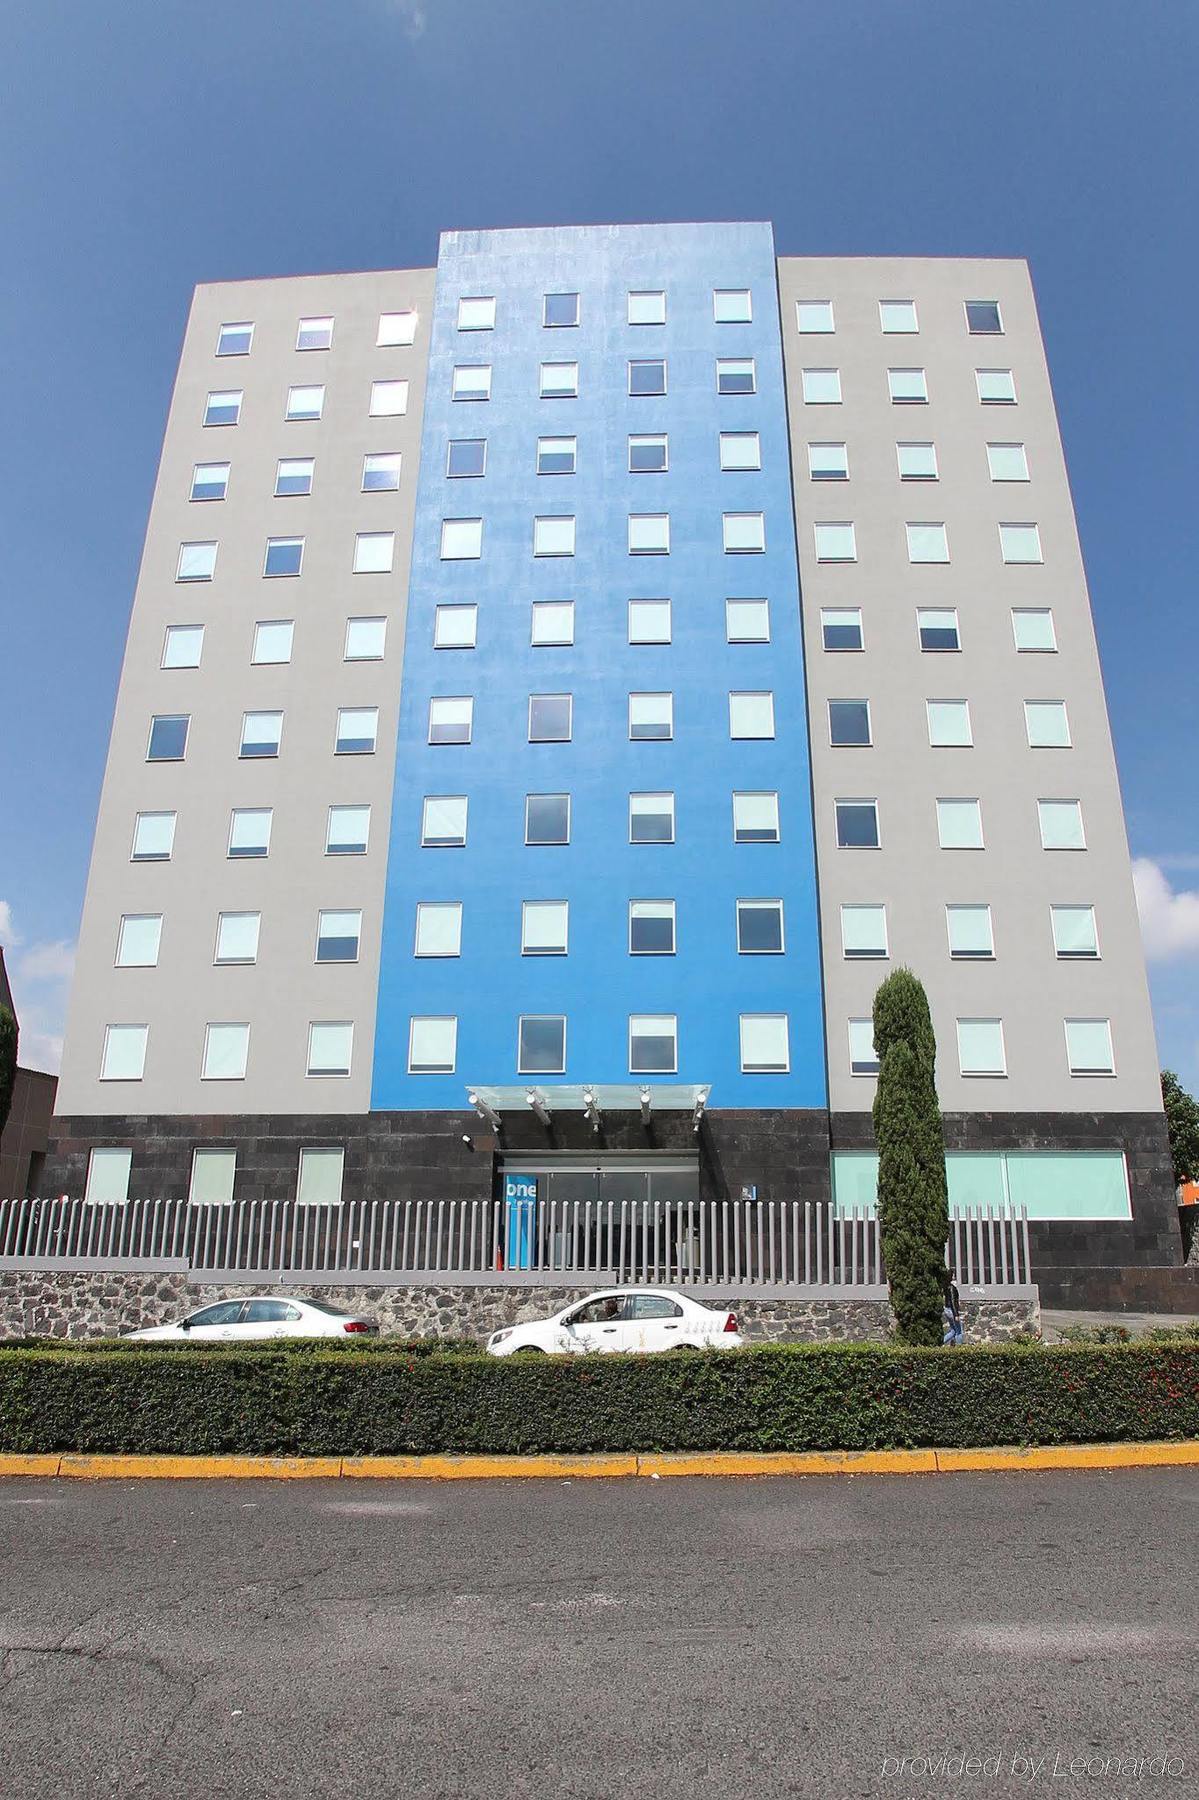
(710, 1243)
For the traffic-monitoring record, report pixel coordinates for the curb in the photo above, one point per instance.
(656, 1464)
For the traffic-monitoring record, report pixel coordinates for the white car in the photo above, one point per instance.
(258, 1317)
(623, 1319)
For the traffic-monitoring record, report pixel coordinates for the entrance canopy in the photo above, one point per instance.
(544, 1100)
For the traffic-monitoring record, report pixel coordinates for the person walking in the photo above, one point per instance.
(951, 1311)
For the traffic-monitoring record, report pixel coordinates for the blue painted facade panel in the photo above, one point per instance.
(598, 984)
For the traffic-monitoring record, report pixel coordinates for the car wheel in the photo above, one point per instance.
(529, 1350)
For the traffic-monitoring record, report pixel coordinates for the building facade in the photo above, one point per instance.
(559, 687)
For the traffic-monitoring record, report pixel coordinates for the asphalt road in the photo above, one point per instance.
(598, 1638)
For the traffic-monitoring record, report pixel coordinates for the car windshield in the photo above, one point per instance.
(321, 1306)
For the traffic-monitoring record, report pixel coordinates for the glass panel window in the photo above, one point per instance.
(381, 472)
(544, 927)
(959, 825)
(284, 556)
(357, 730)
(541, 1045)
(223, 407)
(237, 937)
(554, 536)
(857, 824)
(651, 716)
(108, 1176)
(461, 540)
(432, 1046)
(863, 932)
(374, 552)
(213, 1174)
(969, 928)
(743, 532)
(651, 927)
(443, 821)
(1075, 937)
(556, 455)
(138, 941)
(348, 831)
(814, 316)
(647, 375)
(863, 1057)
(396, 329)
(560, 310)
(740, 450)
(293, 475)
(835, 543)
(337, 936)
(315, 334)
(755, 818)
(124, 1056)
(917, 462)
(153, 837)
(547, 818)
(1047, 724)
(907, 387)
(330, 1047)
(828, 462)
(649, 534)
(389, 399)
(948, 723)
(996, 387)
(982, 318)
(653, 1043)
(250, 831)
(732, 306)
(322, 1170)
(477, 314)
(648, 455)
(235, 340)
(439, 928)
(168, 737)
(1089, 1047)
(841, 630)
(210, 481)
(747, 621)
(821, 387)
(849, 722)
(308, 402)
(226, 1050)
(751, 715)
(261, 733)
(897, 316)
(649, 621)
(938, 630)
(552, 622)
(466, 457)
(1032, 628)
(759, 927)
(1007, 462)
(651, 818)
(980, 1047)
(273, 641)
(366, 639)
(1020, 543)
(182, 647)
(647, 308)
(559, 380)
(736, 375)
(764, 1046)
(197, 562)
(550, 718)
(450, 720)
(455, 627)
(927, 544)
(1061, 825)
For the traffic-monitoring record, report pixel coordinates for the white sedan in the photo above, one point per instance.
(623, 1319)
(258, 1317)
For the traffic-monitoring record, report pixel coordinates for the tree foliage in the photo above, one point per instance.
(913, 1195)
(1182, 1123)
(8, 1063)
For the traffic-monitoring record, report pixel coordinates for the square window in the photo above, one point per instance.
(330, 1047)
(455, 627)
(553, 622)
(235, 340)
(223, 408)
(647, 375)
(432, 1046)
(651, 927)
(357, 730)
(168, 737)
(153, 837)
(544, 927)
(197, 562)
(948, 723)
(849, 722)
(374, 551)
(139, 940)
(937, 629)
(743, 532)
(443, 821)
(917, 462)
(547, 818)
(821, 387)
(732, 306)
(273, 641)
(751, 715)
(306, 402)
(366, 640)
(1061, 825)
(108, 1177)
(284, 556)
(348, 831)
(841, 630)
(814, 316)
(541, 1045)
(927, 543)
(226, 1051)
(261, 733)
(649, 621)
(740, 450)
(736, 375)
(1020, 543)
(550, 718)
(237, 937)
(182, 647)
(764, 1046)
(389, 399)
(982, 318)
(466, 457)
(651, 716)
(1089, 1047)
(1075, 937)
(559, 310)
(857, 824)
(293, 475)
(651, 818)
(554, 535)
(863, 933)
(835, 543)
(381, 472)
(461, 540)
(649, 534)
(747, 621)
(477, 314)
(322, 1170)
(210, 481)
(755, 818)
(250, 831)
(556, 455)
(863, 1057)
(438, 928)
(969, 929)
(959, 825)
(1032, 628)
(450, 720)
(396, 330)
(1047, 724)
(996, 387)
(648, 455)
(897, 316)
(212, 1177)
(653, 1043)
(1007, 462)
(337, 936)
(759, 928)
(980, 1047)
(828, 462)
(124, 1057)
(559, 380)
(907, 387)
(314, 334)
(647, 307)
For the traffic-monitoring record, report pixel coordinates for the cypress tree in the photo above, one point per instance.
(8, 1064)
(913, 1196)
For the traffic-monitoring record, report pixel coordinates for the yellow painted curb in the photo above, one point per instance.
(30, 1465)
(487, 1468)
(199, 1468)
(1071, 1456)
(789, 1462)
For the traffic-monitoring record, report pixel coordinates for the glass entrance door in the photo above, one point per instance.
(598, 1217)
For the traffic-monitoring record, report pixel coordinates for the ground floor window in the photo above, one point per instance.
(1048, 1184)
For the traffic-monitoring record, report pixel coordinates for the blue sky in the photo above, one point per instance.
(150, 144)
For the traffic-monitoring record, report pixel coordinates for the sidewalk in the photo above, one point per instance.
(1053, 1322)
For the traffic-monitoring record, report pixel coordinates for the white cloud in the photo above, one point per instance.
(1169, 917)
(412, 15)
(8, 935)
(40, 977)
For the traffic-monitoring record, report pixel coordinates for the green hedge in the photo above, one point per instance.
(319, 1401)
